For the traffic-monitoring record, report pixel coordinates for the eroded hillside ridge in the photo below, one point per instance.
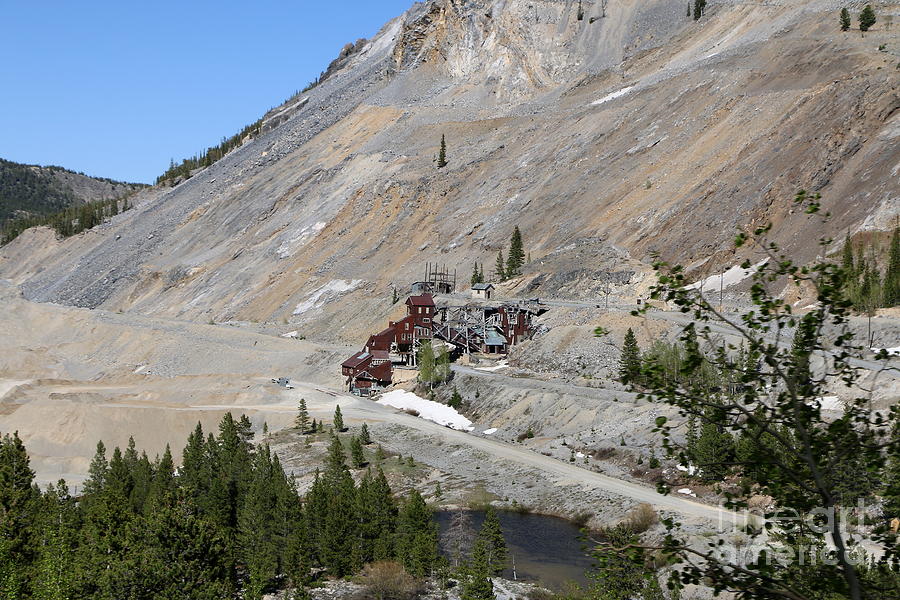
(27, 190)
(605, 139)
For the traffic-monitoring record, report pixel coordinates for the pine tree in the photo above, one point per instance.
(417, 547)
(333, 515)
(500, 267)
(442, 154)
(630, 360)
(364, 435)
(18, 508)
(711, 449)
(256, 526)
(356, 453)
(516, 257)
(845, 19)
(847, 259)
(182, 556)
(377, 514)
(97, 471)
(491, 535)
(364, 550)
(477, 275)
(245, 433)
(689, 8)
(622, 573)
(699, 7)
(142, 481)
(163, 484)
(455, 400)
(336, 462)
(384, 517)
(298, 551)
(55, 573)
(395, 297)
(301, 422)
(867, 18)
(891, 283)
(338, 419)
(193, 464)
(476, 581)
(850, 480)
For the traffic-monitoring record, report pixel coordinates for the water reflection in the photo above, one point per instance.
(545, 549)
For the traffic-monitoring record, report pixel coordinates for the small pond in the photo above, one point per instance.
(548, 550)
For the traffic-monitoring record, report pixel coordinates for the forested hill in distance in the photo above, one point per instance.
(32, 190)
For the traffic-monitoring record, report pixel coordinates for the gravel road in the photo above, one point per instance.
(321, 402)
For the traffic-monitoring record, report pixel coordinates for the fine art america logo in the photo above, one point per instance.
(787, 537)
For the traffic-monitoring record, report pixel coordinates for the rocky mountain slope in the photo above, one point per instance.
(605, 139)
(35, 190)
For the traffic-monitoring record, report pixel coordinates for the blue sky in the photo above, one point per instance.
(116, 89)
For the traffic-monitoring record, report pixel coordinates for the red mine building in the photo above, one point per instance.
(472, 328)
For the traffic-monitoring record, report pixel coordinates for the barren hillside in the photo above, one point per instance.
(604, 139)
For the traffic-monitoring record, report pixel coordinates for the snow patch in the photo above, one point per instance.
(579, 455)
(500, 365)
(687, 492)
(490, 431)
(330, 291)
(290, 246)
(427, 409)
(690, 469)
(289, 334)
(732, 276)
(890, 351)
(612, 96)
(830, 403)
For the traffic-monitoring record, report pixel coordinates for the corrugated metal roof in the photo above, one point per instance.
(423, 300)
(492, 338)
(356, 360)
(482, 286)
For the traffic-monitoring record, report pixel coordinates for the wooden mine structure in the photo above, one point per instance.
(438, 280)
(486, 329)
(479, 328)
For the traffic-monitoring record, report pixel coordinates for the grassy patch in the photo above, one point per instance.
(479, 498)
